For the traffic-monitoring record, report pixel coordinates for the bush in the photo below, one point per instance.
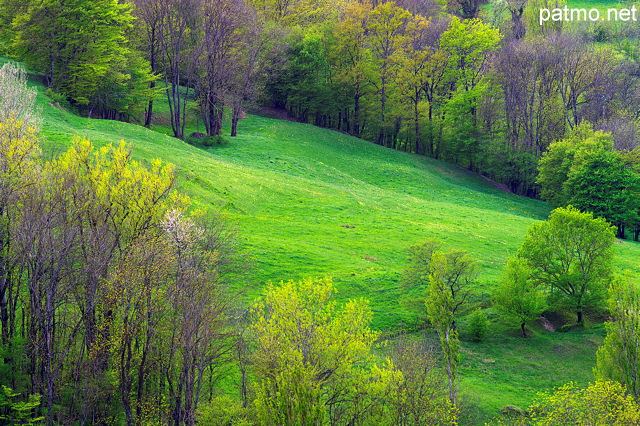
(206, 141)
(478, 325)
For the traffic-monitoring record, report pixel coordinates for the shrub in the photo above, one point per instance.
(478, 325)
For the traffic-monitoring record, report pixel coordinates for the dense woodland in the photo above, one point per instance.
(114, 293)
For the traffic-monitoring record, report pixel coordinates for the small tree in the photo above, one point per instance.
(571, 254)
(421, 395)
(619, 356)
(478, 325)
(450, 276)
(518, 298)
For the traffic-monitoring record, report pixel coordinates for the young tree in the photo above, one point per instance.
(440, 308)
(419, 268)
(449, 277)
(619, 356)
(518, 297)
(421, 397)
(571, 254)
(312, 359)
(603, 402)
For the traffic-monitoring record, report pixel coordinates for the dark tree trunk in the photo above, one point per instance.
(235, 117)
(524, 329)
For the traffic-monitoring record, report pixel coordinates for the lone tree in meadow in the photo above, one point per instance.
(571, 254)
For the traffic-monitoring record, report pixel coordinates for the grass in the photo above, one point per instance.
(313, 202)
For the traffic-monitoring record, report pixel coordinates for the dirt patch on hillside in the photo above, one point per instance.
(500, 186)
(277, 113)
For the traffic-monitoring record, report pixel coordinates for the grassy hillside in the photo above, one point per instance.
(313, 202)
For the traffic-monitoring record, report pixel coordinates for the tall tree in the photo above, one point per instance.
(150, 18)
(385, 29)
(179, 51)
(467, 45)
(350, 56)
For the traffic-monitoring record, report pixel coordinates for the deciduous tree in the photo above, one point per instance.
(517, 297)
(571, 255)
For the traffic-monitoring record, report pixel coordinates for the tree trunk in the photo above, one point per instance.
(579, 312)
(524, 330)
(356, 112)
(235, 117)
(416, 122)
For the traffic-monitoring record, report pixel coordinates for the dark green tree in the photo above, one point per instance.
(604, 186)
(82, 49)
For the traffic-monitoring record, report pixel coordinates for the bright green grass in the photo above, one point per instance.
(506, 369)
(289, 188)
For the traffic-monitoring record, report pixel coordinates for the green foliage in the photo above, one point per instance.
(16, 412)
(223, 411)
(518, 297)
(565, 156)
(466, 45)
(602, 403)
(571, 254)
(313, 360)
(583, 170)
(619, 356)
(449, 275)
(478, 325)
(82, 48)
(604, 186)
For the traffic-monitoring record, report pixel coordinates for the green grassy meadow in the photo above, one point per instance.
(314, 202)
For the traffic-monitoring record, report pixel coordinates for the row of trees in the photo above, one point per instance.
(105, 57)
